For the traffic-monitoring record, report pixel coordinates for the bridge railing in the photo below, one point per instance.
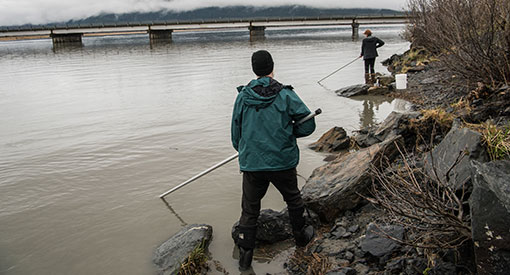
(373, 18)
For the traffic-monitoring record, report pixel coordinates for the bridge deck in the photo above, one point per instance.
(200, 24)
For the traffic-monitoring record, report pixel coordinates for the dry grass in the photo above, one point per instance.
(438, 115)
(432, 123)
(196, 261)
(310, 264)
(497, 140)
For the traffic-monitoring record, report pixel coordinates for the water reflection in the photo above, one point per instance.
(371, 106)
(86, 131)
(183, 223)
(67, 47)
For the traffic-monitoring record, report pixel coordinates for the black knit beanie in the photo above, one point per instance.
(262, 63)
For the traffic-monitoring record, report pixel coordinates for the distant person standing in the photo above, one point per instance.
(369, 53)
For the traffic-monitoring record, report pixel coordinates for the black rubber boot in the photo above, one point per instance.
(245, 258)
(304, 236)
(246, 244)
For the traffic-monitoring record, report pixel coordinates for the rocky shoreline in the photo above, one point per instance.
(358, 230)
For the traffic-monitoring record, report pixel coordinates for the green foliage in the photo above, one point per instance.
(497, 141)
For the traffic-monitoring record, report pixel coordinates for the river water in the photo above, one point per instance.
(91, 136)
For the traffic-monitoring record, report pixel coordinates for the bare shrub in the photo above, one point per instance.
(426, 205)
(474, 36)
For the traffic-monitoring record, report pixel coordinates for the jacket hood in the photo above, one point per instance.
(261, 92)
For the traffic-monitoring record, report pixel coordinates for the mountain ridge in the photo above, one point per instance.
(222, 13)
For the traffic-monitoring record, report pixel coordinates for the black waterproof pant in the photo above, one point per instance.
(255, 185)
(369, 65)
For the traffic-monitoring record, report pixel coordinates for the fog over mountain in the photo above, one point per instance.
(21, 12)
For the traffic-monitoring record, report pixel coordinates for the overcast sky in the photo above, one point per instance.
(16, 12)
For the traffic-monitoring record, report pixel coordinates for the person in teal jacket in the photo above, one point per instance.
(264, 132)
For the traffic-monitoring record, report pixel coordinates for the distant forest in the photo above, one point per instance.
(234, 12)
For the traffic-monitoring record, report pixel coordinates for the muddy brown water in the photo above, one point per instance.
(91, 136)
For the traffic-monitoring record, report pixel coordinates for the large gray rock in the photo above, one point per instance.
(490, 216)
(334, 140)
(354, 90)
(272, 227)
(445, 155)
(335, 187)
(378, 90)
(386, 80)
(392, 126)
(377, 243)
(365, 137)
(169, 256)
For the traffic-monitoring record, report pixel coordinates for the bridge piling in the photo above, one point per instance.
(160, 36)
(63, 39)
(257, 32)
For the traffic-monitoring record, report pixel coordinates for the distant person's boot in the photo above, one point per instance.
(304, 236)
(368, 79)
(373, 79)
(245, 258)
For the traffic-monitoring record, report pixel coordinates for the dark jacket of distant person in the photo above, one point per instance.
(369, 47)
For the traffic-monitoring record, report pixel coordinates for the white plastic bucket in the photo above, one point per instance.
(401, 81)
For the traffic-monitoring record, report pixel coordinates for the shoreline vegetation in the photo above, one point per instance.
(426, 191)
(433, 202)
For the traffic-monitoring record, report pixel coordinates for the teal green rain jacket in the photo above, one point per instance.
(263, 127)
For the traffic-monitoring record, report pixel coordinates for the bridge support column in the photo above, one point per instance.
(257, 32)
(160, 36)
(63, 39)
(355, 29)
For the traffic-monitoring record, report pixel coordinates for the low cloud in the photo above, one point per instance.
(17, 12)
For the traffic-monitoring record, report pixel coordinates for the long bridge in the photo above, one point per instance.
(161, 31)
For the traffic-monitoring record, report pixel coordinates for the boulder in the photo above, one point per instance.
(336, 186)
(354, 90)
(365, 137)
(274, 226)
(458, 141)
(378, 90)
(334, 140)
(392, 59)
(392, 126)
(377, 243)
(490, 216)
(169, 255)
(386, 80)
